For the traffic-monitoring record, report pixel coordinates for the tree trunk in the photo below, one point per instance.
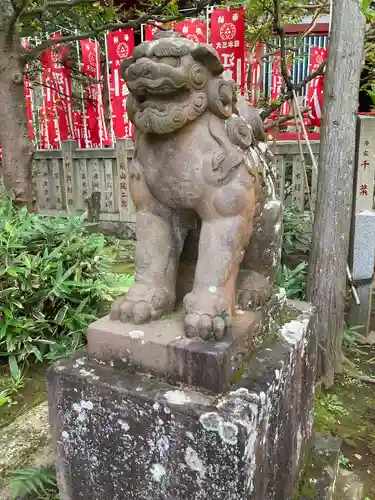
(327, 271)
(17, 148)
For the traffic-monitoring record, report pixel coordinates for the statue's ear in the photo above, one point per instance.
(206, 55)
(125, 63)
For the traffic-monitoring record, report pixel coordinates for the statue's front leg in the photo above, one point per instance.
(224, 236)
(159, 244)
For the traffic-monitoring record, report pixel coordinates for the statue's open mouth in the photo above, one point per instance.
(162, 101)
(148, 103)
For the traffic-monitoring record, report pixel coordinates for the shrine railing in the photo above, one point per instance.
(67, 177)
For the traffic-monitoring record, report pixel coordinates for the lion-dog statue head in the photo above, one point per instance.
(173, 81)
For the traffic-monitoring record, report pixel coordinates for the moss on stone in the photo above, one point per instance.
(347, 412)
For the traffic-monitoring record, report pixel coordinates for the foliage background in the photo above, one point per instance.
(55, 278)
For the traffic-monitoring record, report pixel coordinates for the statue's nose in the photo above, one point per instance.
(143, 67)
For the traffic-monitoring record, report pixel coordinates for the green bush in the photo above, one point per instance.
(297, 231)
(34, 483)
(55, 278)
(293, 280)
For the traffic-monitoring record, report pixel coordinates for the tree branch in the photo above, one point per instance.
(314, 22)
(269, 54)
(283, 119)
(55, 5)
(18, 9)
(296, 88)
(153, 16)
(73, 96)
(309, 7)
(275, 46)
(283, 55)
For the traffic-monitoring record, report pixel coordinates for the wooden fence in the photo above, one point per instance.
(66, 177)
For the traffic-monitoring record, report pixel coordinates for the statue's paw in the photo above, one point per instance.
(205, 316)
(142, 304)
(205, 326)
(253, 290)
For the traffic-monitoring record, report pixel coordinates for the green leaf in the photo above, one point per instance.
(37, 353)
(8, 291)
(14, 368)
(60, 316)
(12, 271)
(32, 480)
(365, 4)
(7, 227)
(26, 261)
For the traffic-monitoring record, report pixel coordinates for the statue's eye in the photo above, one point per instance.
(170, 60)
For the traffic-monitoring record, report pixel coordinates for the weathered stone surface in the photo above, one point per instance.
(364, 176)
(134, 437)
(161, 347)
(363, 246)
(362, 265)
(322, 469)
(348, 486)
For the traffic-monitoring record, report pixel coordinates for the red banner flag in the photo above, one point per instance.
(49, 132)
(315, 88)
(150, 32)
(28, 97)
(317, 56)
(58, 92)
(79, 131)
(94, 123)
(50, 136)
(246, 90)
(29, 112)
(228, 38)
(43, 139)
(193, 30)
(256, 86)
(120, 45)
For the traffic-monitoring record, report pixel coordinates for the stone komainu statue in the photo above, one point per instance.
(208, 225)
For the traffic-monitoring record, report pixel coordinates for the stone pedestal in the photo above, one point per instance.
(122, 434)
(362, 238)
(362, 258)
(161, 348)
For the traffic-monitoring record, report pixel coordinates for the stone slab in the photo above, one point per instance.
(348, 486)
(363, 260)
(322, 468)
(130, 436)
(364, 173)
(161, 348)
(360, 315)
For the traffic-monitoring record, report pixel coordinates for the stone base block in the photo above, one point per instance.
(321, 469)
(131, 436)
(161, 348)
